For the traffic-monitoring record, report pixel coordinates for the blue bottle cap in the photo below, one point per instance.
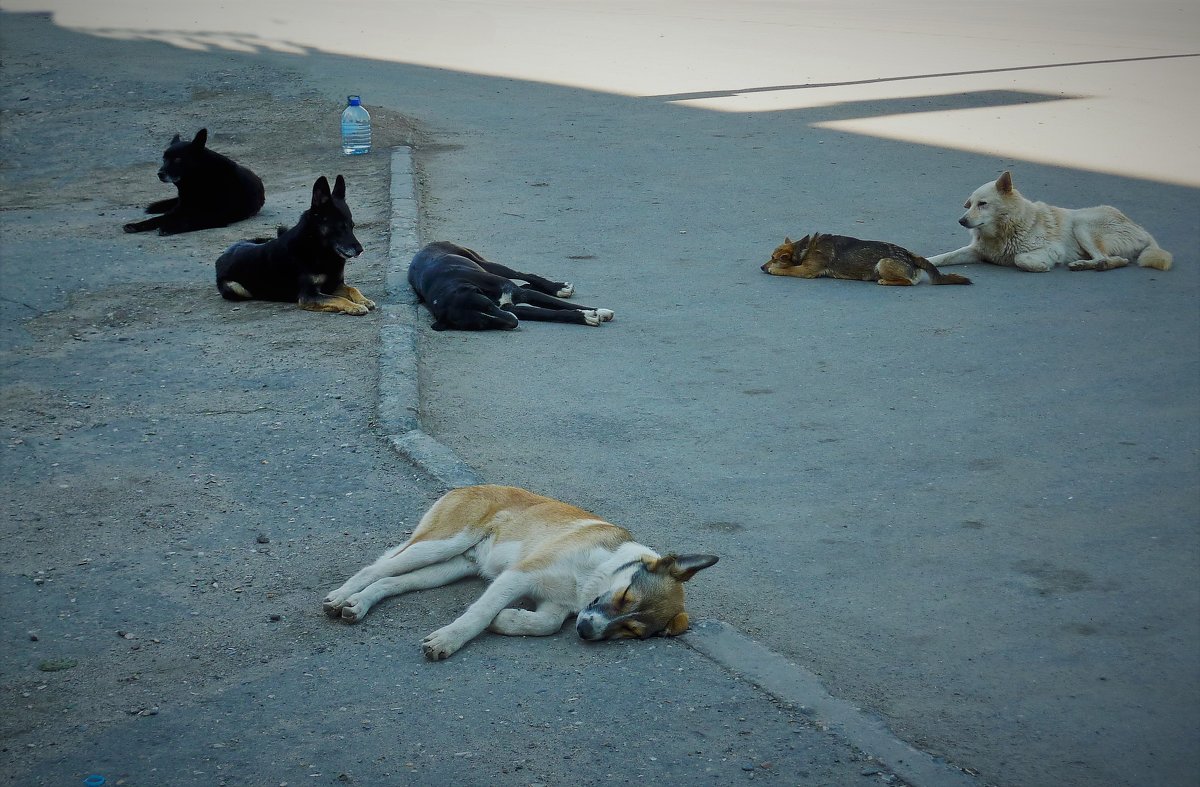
(354, 101)
(95, 780)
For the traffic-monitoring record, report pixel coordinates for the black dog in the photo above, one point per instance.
(305, 264)
(214, 191)
(465, 291)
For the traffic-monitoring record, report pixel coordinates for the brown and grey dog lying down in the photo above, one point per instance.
(842, 257)
(562, 558)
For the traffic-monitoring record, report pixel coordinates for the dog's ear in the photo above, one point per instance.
(339, 188)
(201, 138)
(787, 239)
(679, 567)
(1004, 183)
(175, 140)
(677, 626)
(320, 192)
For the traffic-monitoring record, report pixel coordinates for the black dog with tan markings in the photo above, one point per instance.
(467, 292)
(843, 257)
(305, 264)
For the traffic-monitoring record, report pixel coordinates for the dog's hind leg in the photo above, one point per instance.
(537, 283)
(436, 575)
(408, 557)
(1098, 256)
(507, 588)
(896, 272)
(547, 619)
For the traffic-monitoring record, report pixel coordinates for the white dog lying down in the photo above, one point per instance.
(564, 559)
(1007, 229)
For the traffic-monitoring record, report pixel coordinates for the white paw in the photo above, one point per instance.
(354, 610)
(333, 604)
(605, 315)
(590, 317)
(567, 290)
(441, 644)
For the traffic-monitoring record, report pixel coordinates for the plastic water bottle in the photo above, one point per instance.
(356, 128)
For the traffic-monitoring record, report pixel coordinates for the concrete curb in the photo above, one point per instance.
(793, 684)
(399, 411)
(399, 370)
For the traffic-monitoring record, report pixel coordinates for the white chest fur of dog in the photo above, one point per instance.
(562, 558)
(1008, 229)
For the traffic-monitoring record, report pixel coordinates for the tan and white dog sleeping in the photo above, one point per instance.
(562, 558)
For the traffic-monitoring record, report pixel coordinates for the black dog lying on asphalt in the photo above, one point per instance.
(214, 191)
(467, 292)
(305, 264)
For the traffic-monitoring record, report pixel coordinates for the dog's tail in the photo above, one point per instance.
(1154, 257)
(936, 276)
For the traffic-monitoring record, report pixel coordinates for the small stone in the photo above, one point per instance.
(276, 617)
(263, 539)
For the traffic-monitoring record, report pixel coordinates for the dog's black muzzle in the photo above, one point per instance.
(347, 251)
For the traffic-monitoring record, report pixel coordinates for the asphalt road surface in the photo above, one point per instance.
(970, 510)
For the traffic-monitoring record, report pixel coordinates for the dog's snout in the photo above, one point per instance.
(585, 628)
(965, 222)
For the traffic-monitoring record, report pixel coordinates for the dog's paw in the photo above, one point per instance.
(333, 605)
(355, 309)
(1098, 264)
(130, 227)
(590, 317)
(441, 644)
(354, 611)
(605, 315)
(566, 291)
(370, 304)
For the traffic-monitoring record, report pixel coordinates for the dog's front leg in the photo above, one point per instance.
(547, 619)
(163, 205)
(353, 295)
(967, 255)
(1034, 262)
(507, 588)
(312, 299)
(145, 225)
